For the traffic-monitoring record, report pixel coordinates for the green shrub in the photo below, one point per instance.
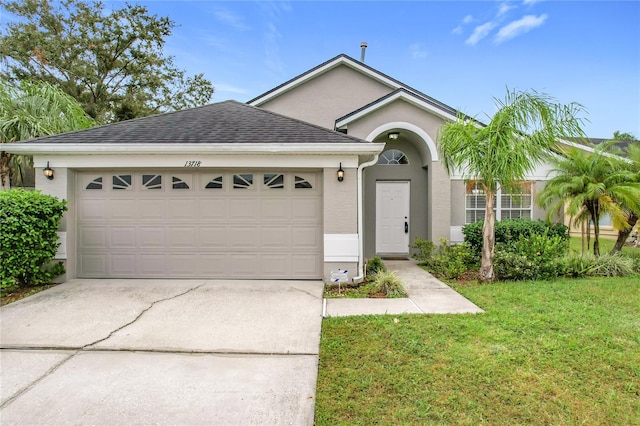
(510, 230)
(375, 265)
(387, 283)
(425, 250)
(28, 240)
(606, 265)
(449, 261)
(533, 257)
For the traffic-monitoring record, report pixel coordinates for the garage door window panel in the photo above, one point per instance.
(273, 181)
(151, 181)
(181, 182)
(214, 182)
(121, 182)
(303, 182)
(95, 183)
(243, 181)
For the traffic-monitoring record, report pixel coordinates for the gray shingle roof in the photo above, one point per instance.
(223, 122)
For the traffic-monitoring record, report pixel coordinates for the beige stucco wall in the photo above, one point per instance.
(328, 96)
(340, 210)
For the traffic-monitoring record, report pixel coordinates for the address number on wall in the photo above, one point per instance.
(193, 163)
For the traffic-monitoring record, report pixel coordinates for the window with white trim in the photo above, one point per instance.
(511, 206)
(393, 157)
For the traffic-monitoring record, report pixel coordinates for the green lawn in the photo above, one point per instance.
(605, 246)
(563, 352)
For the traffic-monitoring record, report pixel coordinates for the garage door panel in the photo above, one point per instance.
(213, 209)
(244, 209)
(182, 236)
(152, 265)
(151, 209)
(92, 237)
(92, 210)
(93, 265)
(123, 265)
(151, 237)
(276, 265)
(243, 265)
(278, 237)
(182, 209)
(213, 236)
(213, 229)
(122, 236)
(182, 265)
(244, 237)
(276, 209)
(120, 209)
(214, 265)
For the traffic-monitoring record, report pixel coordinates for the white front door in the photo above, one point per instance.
(392, 217)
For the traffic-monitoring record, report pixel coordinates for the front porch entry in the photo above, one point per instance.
(392, 218)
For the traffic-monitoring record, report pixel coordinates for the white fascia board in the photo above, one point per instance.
(198, 148)
(219, 161)
(318, 71)
(401, 95)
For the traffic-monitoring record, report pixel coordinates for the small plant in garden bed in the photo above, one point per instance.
(378, 283)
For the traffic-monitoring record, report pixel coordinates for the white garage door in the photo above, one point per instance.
(203, 224)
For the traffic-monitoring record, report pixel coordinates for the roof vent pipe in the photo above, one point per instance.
(363, 45)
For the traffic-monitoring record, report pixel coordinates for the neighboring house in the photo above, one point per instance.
(230, 190)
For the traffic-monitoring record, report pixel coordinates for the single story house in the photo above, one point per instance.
(306, 181)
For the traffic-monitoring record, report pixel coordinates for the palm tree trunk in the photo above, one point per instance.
(488, 240)
(632, 219)
(5, 171)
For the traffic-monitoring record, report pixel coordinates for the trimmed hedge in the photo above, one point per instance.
(28, 240)
(509, 231)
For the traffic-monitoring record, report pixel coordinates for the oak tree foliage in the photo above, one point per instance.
(111, 60)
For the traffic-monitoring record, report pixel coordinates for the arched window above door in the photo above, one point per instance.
(393, 157)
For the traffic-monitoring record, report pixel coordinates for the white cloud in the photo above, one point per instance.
(530, 2)
(504, 8)
(418, 51)
(480, 32)
(229, 18)
(521, 26)
(465, 20)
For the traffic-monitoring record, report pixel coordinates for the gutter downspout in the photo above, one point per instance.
(360, 277)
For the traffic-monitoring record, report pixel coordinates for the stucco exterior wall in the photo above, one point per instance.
(340, 201)
(328, 96)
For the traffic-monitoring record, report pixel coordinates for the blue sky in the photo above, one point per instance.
(463, 53)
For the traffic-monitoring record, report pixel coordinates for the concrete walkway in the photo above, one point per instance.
(427, 295)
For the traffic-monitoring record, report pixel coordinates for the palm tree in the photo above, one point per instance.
(589, 185)
(518, 137)
(632, 215)
(32, 110)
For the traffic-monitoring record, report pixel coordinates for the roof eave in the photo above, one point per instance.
(197, 148)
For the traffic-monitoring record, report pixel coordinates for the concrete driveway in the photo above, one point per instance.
(162, 352)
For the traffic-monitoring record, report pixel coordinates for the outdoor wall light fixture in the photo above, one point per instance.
(48, 172)
(393, 135)
(340, 174)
